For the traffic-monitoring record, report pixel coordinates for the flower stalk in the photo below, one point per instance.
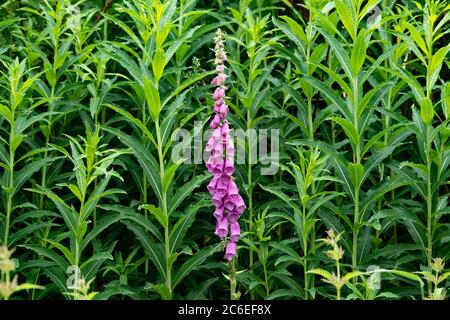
(222, 187)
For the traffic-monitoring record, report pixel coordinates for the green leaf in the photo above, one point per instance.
(349, 276)
(188, 83)
(280, 194)
(161, 289)
(169, 175)
(158, 213)
(445, 100)
(124, 59)
(28, 230)
(152, 98)
(194, 262)
(404, 274)
(356, 173)
(340, 52)
(436, 64)
(4, 155)
(331, 94)
(292, 284)
(285, 248)
(153, 249)
(417, 38)
(427, 111)
(321, 272)
(346, 16)
(183, 192)
(69, 256)
(70, 217)
(184, 223)
(49, 254)
(28, 286)
(139, 219)
(411, 81)
(6, 113)
(133, 120)
(350, 131)
(158, 65)
(74, 189)
(293, 30)
(16, 142)
(98, 256)
(359, 53)
(148, 163)
(101, 224)
(96, 195)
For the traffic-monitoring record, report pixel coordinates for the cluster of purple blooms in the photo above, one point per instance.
(224, 191)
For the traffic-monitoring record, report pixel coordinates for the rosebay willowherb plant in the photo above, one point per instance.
(103, 104)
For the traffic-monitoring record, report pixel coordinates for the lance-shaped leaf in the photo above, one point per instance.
(194, 262)
(144, 157)
(359, 53)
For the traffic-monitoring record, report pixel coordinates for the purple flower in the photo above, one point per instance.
(219, 80)
(223, 110)
(222, 187)
(218, 169)
(219, 213)
(212, 163)
(226, 178)
(219, 93)
(220, 68)
(225, 129)
(230, 251)
(224, 191)
(215, 122)
(222, 228)
(232, 216)
(240, 205)
(216, 138)
(218, 105)
(213, 185)
(229, 205)
(229, 147)
(228, 168)
(232, 189)
(217, 199)
(235, 231)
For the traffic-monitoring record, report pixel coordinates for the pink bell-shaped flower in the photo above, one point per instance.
(230, 251)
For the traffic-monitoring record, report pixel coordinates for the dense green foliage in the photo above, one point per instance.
(91, 93)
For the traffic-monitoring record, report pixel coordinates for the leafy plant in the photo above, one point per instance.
(104, 113)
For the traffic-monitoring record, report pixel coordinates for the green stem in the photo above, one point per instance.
(338, 287)
(164, 208)
(250, 192)
(355, 231)
(47, 142)
(144, 185)
(305, 253)
(10, 187)
(180, 33)
(357, 159)
(429, 201)
(233, 280)
(266, 278)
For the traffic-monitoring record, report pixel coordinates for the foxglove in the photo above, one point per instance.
(224, 191)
